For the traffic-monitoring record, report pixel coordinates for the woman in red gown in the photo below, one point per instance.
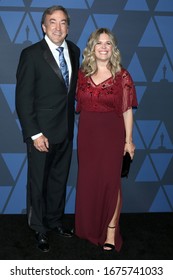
(105, 97)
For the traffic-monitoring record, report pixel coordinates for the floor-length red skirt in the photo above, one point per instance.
(100, 154)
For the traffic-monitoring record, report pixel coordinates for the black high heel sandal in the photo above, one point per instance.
(109, 245)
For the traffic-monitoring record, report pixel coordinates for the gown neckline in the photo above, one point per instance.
(96, 85)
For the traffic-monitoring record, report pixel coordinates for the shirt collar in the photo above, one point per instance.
(53, 46)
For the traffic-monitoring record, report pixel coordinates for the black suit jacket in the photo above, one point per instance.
(42, 101)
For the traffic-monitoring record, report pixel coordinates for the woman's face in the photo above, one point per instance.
(103, 48)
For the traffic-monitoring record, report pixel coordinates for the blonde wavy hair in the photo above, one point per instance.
(89, 65)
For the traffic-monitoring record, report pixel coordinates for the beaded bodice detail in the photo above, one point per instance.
(114, 94)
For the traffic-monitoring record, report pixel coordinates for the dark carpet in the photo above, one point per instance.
(147, 236)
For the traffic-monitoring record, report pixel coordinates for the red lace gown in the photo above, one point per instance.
(101, 137)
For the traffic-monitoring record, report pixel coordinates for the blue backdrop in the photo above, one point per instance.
(144, 32)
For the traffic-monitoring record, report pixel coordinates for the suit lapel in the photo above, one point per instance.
(50, 60)
(72, 59)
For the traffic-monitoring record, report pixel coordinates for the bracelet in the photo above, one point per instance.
(128, 142)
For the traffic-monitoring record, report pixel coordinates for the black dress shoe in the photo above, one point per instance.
(42, 242)
(63, 232)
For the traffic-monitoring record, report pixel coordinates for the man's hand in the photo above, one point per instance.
(41, 144)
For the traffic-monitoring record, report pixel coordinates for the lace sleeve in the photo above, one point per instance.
(129, 92)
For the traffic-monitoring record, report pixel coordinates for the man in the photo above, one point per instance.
(45, 106)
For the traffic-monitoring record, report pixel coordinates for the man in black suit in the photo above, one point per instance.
(45, 106)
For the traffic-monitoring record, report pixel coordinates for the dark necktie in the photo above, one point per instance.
(63, 66)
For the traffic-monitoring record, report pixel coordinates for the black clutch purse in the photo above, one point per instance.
(126, 165)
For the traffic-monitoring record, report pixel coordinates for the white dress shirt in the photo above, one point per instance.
(55, 53)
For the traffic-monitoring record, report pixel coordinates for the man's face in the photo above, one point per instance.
(56, 27)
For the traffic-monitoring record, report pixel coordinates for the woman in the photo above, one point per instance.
(105, 98)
